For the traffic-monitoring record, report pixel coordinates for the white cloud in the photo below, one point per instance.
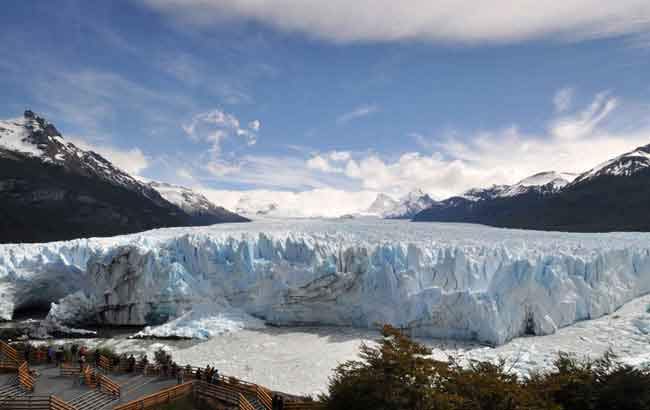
(583, 123)
(327, 202)
(359, 112)
(432, 20)
(563, 99)
(131, 160)
(331, 162)
(216, 126)
(574, 142)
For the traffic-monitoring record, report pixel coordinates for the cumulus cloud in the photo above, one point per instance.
(216, 126)
(133, 160)
(431, 20)
(359, 112)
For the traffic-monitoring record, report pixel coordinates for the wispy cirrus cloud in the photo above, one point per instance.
(359, 112)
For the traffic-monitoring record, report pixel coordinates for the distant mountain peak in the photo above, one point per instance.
(626, 164)
(409, 205)
(52, 190)
(381, 205)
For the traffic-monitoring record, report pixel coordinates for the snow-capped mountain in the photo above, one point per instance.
(613, 196)
(193, 203)
(33, 136)
(543, 182)
(257, 207)
(627, 164)
(382, 205)
(51, 189)
(410, 205)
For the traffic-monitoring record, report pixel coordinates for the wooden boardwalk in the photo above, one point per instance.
(41, 386)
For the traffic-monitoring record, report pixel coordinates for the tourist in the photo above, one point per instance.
(215, 377)
(50, 354)
(188, 371)
(131, 364)
(28, 349)
(179, 376)
(73, 351)
(82, 363)
(59, 356)
(198, 373)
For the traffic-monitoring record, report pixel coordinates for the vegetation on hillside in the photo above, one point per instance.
(399, 374)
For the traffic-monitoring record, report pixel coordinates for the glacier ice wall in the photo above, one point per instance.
(440, 280)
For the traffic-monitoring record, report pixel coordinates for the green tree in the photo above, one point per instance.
(396, 374)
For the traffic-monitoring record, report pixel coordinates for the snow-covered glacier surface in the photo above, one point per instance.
(441, 280)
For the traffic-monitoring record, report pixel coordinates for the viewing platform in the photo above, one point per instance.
(99, 383)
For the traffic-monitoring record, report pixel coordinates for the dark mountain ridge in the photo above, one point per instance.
(614, 196)
(52, 190)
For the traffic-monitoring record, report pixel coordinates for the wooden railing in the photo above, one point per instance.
(35, 403)
(90, 377)
(108, 385)
(9, 365)
(264, 397)
(244, 404)
(162, 397)
(104, 363)
(9, 352)
(69, 370)
(303, 405)
(25, 378)
(26, 403)
(58, 404)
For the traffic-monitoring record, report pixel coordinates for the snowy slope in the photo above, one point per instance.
(443, 280)
(194, 204)
(543, 182)
(624, 165)
(382, 205)
(34, 136)
(409, 205)
(258, 207)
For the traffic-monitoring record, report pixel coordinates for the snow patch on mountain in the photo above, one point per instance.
(382, 205)
(624, 165)
(188, 200)
(543, 182)
(259, 207)
(14, 136)
(409, 205)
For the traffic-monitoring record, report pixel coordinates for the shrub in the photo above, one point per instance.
(398, 373)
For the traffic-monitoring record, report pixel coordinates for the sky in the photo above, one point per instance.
(320, 105)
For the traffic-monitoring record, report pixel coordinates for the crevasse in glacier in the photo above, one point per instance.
(441, 280)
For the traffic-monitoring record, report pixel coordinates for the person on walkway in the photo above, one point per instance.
(50, 354)
(180, 376)
(59, 356)
(28, 349)
(131, 364)
(82, 363)
(73, 351)
(215, 377)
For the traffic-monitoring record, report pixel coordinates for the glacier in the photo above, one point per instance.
(438, 280)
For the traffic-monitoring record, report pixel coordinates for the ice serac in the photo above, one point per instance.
(441, 280)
